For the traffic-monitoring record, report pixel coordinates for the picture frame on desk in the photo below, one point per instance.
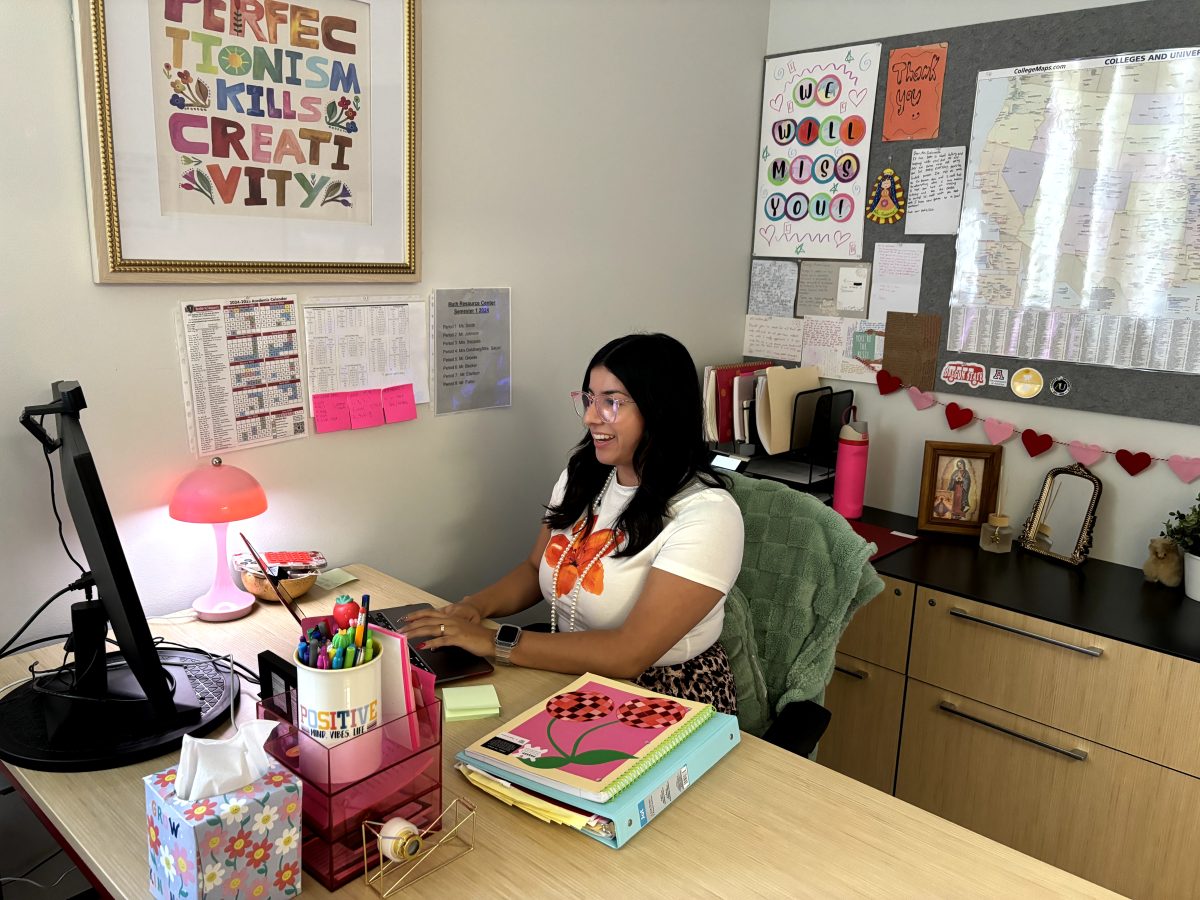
(958, 486)
(244, 142)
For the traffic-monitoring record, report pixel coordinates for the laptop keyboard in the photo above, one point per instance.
(208, 683)
(378, 618)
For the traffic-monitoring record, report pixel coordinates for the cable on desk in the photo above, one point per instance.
(38, 884)
(28, 644)
(83, 583)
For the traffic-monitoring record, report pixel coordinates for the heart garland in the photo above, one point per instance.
(887, 382)
(1186, 468)
(1133, 463)
(921, 399)
(1085, 454)
(958, 416)
(1036, 444)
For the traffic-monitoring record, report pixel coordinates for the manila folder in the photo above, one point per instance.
(777, 397)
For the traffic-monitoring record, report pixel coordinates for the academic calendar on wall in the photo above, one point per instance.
(1080, 224)
(243, 380)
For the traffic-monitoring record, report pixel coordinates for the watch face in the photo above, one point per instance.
(507, 634)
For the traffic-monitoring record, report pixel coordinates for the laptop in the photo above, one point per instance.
(447, 663)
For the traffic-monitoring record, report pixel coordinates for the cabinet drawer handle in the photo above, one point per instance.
(860, 674)
(1086, 651)
(947, 706)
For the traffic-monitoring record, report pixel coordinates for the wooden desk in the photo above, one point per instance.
(763, 822)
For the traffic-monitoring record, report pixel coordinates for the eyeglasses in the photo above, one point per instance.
(606, 405)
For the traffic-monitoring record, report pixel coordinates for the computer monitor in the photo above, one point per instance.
(106, 709)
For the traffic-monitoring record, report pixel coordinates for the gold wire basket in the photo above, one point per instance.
(391, 876)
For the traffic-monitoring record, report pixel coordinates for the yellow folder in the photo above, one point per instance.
(776, 397)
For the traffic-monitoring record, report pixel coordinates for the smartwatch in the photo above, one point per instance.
(507, 637)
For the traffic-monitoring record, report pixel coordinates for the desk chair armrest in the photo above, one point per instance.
(799, 727)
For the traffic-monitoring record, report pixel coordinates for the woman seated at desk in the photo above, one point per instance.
(640, 543)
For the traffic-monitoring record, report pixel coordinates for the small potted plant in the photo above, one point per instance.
(1183, 527)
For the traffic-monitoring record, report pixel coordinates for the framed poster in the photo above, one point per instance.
(250, 141)
(813, 145)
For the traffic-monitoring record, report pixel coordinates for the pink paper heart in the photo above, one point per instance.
(921, 399)
(767, 234)
(840, 237)
(998, 432)
(777, 102)
(856, 97)
(1186, 467)
(1085, 454)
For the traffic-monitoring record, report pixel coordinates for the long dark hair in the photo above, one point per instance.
(659, 375)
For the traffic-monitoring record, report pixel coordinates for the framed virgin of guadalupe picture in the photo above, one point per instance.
(250, 140)
(958, 486)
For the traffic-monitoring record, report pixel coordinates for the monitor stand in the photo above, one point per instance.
(50, 728)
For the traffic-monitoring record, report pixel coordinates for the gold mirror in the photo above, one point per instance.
(1061, 522)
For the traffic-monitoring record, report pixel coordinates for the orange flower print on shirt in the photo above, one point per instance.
(579, 556)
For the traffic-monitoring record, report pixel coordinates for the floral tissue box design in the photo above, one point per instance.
(243, 844)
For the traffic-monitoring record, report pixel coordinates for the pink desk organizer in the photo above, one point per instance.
(408, 782)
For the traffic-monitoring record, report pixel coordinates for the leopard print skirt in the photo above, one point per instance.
(706, 678)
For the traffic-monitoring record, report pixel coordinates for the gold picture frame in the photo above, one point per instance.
(273, 207)
(958, 486)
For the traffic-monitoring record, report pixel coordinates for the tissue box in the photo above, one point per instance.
(245, 843)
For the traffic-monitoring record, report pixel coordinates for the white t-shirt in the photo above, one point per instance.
(701, 541)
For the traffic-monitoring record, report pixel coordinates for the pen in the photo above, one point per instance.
(359, 629)
(339, 657)
(302, 652)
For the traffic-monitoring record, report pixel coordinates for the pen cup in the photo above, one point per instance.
(337, 706)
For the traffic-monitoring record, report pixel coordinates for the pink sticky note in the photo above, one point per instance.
(331, 412)
(399, 404)
(365, 409)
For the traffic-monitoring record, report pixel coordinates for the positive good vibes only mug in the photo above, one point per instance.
(337, 708)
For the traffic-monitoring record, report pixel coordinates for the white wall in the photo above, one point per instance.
(595, 157)
(1131, 509)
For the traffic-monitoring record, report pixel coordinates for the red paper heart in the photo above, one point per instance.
(1036, 444)
(888, 383)
(958, 416)
(1132, 462)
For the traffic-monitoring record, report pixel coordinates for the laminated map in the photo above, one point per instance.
(1080, 232)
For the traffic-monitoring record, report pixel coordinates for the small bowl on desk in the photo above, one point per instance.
(296, 587)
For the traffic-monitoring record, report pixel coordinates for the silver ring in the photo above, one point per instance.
(443, 628)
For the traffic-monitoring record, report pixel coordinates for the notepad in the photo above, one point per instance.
(478, 701)
(592, 739)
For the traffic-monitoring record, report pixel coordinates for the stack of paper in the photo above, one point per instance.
(475, 702)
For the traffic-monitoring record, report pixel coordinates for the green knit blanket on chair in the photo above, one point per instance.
(804, 574)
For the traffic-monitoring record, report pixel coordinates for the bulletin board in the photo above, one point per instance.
(1105, 32)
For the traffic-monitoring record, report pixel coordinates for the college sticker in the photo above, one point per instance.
(998, 378)
(1027, 383)
(971, 374)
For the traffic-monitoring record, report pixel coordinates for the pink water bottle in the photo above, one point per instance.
(850, 475)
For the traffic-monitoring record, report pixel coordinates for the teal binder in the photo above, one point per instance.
(637, 806)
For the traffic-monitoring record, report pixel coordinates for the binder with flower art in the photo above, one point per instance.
(593, 738)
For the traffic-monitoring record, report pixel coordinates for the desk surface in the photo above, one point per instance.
(763, 822)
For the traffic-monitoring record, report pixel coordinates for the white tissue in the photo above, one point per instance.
(208, 768)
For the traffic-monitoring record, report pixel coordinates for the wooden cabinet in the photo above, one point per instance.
(864, 732)
(879, 631)
(1125, 697)
(1112, 818)
(1078, 749)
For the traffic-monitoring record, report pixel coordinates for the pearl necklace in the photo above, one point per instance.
(575, 541)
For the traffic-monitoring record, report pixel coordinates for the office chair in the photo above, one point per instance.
(804, 574)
